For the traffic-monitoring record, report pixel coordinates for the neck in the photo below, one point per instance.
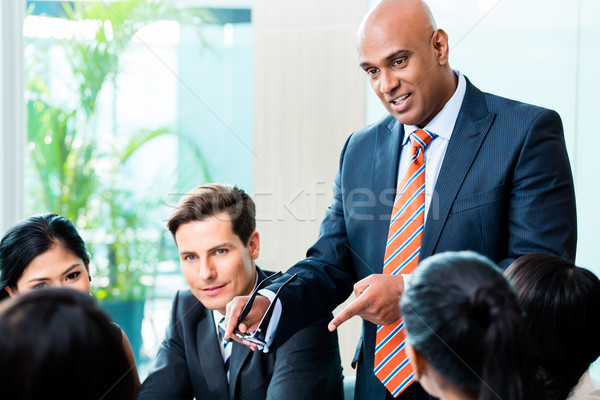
(452, 393)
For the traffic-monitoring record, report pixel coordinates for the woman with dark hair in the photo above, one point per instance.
(562, 305)
(57, 344)
(40, 251)
(46, 251)
(466, 337)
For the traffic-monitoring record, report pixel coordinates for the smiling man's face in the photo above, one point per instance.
(406, 60)
(215, 263)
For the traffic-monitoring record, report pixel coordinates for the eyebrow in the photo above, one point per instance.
(390, 57)
(63, 274)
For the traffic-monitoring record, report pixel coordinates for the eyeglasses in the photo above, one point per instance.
(264, 322)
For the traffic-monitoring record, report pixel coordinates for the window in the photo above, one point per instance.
(129, 105)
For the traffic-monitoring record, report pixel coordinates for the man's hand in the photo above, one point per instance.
(250, 323)
(377, 301)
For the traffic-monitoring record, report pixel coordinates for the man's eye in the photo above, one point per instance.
(399, 62)
(73, 275)
(220, 252)
(190, 258)
(371, 71)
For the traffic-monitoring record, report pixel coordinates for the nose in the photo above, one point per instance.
(387, 82)
(207, 270)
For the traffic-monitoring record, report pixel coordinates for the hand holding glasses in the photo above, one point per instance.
(253, 337)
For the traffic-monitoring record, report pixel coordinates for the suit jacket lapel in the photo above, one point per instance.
(471, 127)
(211, 360)
(239, 355)
(385, 174)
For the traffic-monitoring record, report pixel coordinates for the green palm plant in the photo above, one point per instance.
(77, 170)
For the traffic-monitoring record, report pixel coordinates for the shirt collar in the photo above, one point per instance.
(443, 123)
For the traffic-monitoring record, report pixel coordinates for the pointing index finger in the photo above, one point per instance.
(352, 309)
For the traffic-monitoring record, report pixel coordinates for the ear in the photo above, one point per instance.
(11, 293)
(439, 42)
(254, 245)
(416, 360)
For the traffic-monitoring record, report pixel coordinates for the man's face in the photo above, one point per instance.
(214, 261)
(405, 69)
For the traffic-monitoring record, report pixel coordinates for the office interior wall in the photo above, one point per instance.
(309, 96)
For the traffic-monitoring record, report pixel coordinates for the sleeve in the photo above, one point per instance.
(542, 215)
(169, 376)
(326, 276)
(308, 366)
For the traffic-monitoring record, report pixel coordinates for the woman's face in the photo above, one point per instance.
(57, 267)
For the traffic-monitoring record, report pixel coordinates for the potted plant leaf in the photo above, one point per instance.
(79, 167)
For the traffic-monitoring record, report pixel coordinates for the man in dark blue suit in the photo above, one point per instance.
(497, 181)
(214, 229)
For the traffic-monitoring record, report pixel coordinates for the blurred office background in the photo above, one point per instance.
(110, 112)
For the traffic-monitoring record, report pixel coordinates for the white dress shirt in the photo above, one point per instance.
(217, 316)
(442, 125)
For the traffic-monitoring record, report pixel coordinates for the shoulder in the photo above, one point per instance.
(509, 111)
(515, 110)
(364, 140)
(367, 133)
(186, 305)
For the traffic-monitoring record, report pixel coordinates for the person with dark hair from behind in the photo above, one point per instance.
(561, 302)
(466, 336)
(214, 229)
(57, 344)
(42, 251)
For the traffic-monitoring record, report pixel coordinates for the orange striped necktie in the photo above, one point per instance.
(401, 257)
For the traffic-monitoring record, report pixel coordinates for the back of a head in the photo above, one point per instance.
(462, 315)
(56, 343)
(561, 302)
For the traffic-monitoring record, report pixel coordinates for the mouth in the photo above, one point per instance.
(400, 100)
(213, 290)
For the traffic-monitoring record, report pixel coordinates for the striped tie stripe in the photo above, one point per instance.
(410, 219)
(227, 346)
(409, 241)
(403, 385)
(384, 341)
(408, 204)
(401, 257)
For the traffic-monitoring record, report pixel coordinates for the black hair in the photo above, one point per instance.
(462, 315)
(561, 302)
(57, 344)
(31, 237)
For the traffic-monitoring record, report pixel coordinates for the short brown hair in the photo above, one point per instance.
(207, 200)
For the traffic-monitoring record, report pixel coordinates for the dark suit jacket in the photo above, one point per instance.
(504, 189)
(189, 362)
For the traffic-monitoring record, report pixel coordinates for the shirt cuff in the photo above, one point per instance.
(406, 278)
(273, 322)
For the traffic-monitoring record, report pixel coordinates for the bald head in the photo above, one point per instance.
(405, 57)
(415, 13)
